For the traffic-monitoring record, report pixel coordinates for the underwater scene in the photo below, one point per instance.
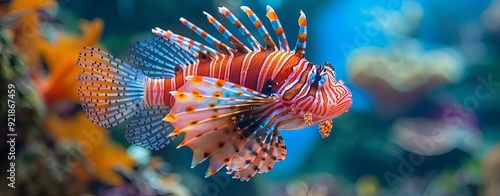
(254, 97)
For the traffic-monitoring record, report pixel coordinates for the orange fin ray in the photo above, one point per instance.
(224, 122)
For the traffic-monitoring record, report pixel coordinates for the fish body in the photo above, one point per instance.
(254, 70)
(229, 102)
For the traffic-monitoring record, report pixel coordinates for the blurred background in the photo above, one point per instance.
(425, 77)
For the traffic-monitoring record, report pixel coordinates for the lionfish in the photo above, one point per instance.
(230, 102)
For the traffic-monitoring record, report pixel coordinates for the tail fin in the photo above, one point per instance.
(110, 90)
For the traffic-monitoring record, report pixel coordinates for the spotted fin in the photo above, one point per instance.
(276, 152)
(146, 129)
(110, 91)
(159, 57)
(264, 160)
(233, 125)
(325, 128)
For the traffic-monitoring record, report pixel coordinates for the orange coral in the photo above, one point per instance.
(26, 29)
(95, 144)
(61, 57)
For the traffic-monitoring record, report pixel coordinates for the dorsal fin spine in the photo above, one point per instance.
(300, 47)
(278, 29)
(209, 38)
(240, 47)
(186, 43)
(270, 45)
(243, 30)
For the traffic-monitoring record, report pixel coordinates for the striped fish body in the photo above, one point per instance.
(229, 102)
(255, 70)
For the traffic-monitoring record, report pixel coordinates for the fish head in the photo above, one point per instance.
(317, 96)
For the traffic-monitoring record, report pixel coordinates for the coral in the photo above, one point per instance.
(94, 142)
(399, 74)
(491, 172)
(60, 56)
(435, 137)
(23, 17)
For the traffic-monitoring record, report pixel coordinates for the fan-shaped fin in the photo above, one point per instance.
(157, 57)
(225, 154)
(264, 160)
(110, 91)
(251, 160)
(272, 154)
(224, 121)
(146, 129)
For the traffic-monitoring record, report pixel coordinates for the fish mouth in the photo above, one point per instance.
(342, 107)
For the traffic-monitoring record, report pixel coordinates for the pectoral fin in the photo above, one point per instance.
(233, 125)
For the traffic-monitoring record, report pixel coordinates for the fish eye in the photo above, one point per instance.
(317, 78)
